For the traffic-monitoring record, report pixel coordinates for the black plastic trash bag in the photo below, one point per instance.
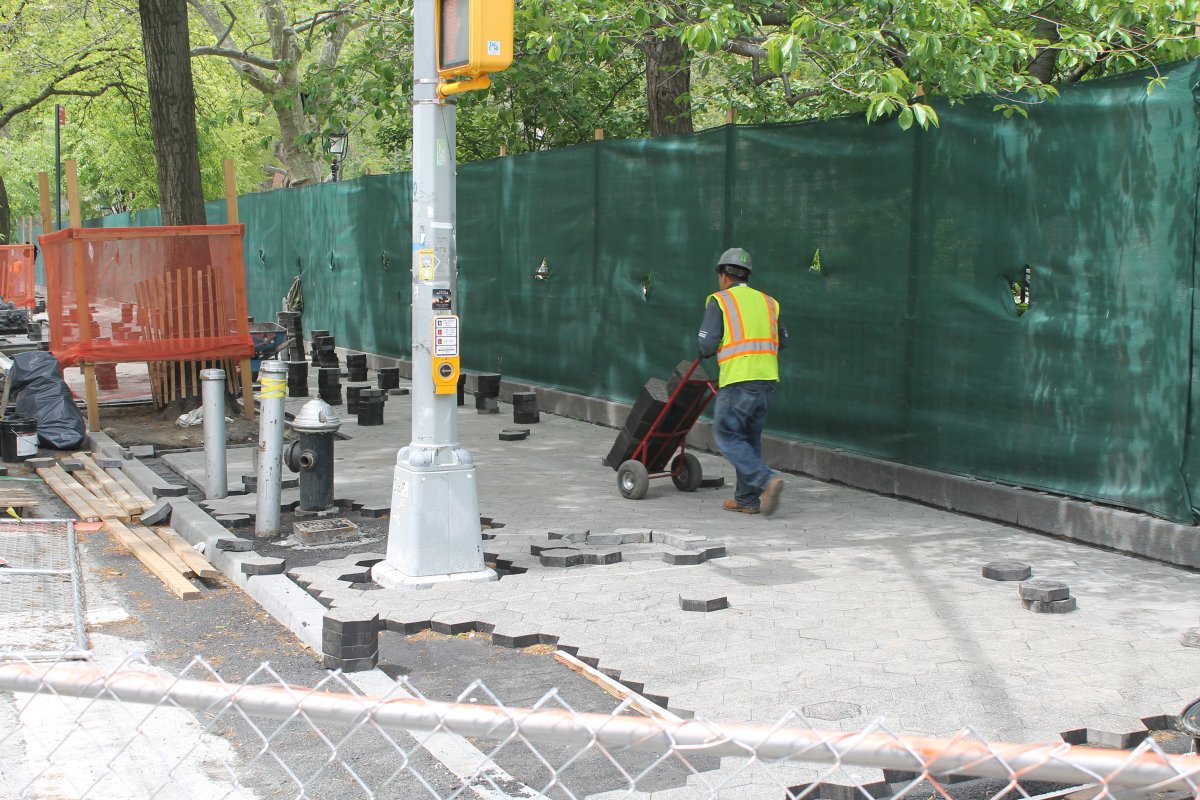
(42, 394)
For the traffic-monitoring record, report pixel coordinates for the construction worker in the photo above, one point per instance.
(742, 329)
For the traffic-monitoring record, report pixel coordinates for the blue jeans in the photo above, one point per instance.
(737, 427)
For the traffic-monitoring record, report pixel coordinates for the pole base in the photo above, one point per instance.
(389, 577)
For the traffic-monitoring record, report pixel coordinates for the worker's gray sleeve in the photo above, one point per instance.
(711, 330)
(783, 335)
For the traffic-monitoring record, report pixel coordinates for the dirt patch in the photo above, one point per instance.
(142, 424)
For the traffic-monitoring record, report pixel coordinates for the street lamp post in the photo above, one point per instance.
(337, 148)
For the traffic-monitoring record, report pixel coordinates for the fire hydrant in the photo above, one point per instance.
(312, 455)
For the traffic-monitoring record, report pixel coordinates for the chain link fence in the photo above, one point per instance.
(131, 731)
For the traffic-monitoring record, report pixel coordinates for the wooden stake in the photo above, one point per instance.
(44, 194)
(239, 290)
(599, 134)
(82, 298)
(731, 116)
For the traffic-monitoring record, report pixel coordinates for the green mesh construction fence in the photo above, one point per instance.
(906, 341)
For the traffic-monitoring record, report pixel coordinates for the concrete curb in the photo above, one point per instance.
(277, 594)
(1108, 527)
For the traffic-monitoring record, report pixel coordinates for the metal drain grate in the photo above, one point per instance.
(41, 591)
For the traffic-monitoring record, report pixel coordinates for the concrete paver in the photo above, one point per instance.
(844, 600)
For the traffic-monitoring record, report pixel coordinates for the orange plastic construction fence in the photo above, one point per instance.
(146, 294)
(16, 275)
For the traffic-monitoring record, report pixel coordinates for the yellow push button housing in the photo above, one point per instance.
(445, 354)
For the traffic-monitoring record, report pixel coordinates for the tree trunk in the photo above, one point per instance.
(5, 217)
(181, 193)
(1044, 66)
(172, 110)
(668, 87)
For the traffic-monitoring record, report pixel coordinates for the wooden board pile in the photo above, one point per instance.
(110, 497)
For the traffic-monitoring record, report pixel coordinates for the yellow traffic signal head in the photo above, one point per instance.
(475, 37)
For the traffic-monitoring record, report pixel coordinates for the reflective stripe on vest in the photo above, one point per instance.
(750, 342)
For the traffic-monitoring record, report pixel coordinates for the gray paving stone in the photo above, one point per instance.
(170, 490)
(569, 535)
(706, 605)
(263, 565)
(1190, 638)
(1053, 607)
(159, 515)
(234, 544)
(1043, 590)
(842, 597)
(1007, 571)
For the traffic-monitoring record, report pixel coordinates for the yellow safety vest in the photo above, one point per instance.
(749, 348)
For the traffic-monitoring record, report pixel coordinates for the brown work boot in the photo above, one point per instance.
(770, 496)
(732, 505)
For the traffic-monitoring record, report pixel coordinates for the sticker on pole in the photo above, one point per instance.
(426, 264)
(441, 299)
(445, 336)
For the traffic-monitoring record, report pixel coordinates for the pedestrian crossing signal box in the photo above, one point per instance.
(474, 39)
(445, 354)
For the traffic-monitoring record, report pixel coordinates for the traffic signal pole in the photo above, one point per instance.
(434, 533)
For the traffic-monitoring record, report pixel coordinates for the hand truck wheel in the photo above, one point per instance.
(633, 480)
(686, 476)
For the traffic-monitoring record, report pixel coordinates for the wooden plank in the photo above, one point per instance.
(178, 584)
(98, 497)
(164, 551)
(239, 290)
(185, 551)
(44, 196)
(134, 490)
(77, 502)
(111, 487)
(148, 232)
(160, 302)
(82, 298)
(616, 689)
(189, 300)
(231, 207)
(16, 497)
(142, 291)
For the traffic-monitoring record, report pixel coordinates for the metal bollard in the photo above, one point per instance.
(312, 454)
(216, 481)
(273, 375)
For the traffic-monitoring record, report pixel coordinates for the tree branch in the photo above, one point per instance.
(238, 55)
(51, 88)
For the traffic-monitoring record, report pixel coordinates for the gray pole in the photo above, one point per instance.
(216, 481)
(434, 532)
(273, 375)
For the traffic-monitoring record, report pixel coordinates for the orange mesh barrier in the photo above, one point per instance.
(146, 294)
(16, 275)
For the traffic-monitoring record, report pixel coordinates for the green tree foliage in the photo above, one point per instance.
(886, 58)
(275, 77)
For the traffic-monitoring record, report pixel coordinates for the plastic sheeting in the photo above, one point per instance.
(17, 275)
(906, 342)
(148, 294)
(41, 394)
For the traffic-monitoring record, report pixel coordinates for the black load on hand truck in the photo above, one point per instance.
(657, 428)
